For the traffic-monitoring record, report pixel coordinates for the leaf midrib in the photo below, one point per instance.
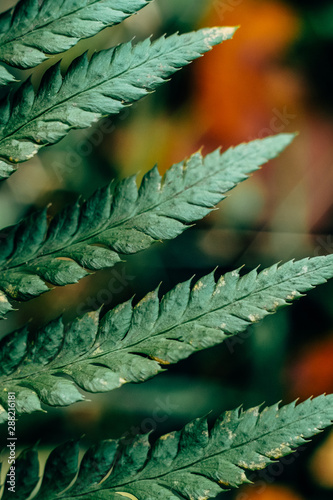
(197, 318)
(247, 443)
(84, 357)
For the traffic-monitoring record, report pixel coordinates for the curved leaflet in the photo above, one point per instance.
(91, 89)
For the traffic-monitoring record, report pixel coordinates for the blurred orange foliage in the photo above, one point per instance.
(312, 373)
(321, 465)
(236, 86)
(268, 493)
(239, 85)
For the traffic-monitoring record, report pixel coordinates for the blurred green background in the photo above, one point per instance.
(275, 76)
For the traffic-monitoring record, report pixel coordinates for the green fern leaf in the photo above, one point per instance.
(111, 80)
(133, 344)
(198, 462)
(121, 219)
(33, 29)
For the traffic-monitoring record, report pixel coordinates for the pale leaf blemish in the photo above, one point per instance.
(292, 295)
(219, 285)
(198, 286)
(254, 317)
(161, 361)
(278, 452)
(207, 493)
(11, 291)
(255, 411)
(260, 464)
(257, 465)
(243, 464)
(120, 308)
(3, 298)
(99, 350)
(167, 436)
(227, 417)
(223, 482)
(147, 298)
(211, 34)
(31, 155)
(231, 435)
(122, 381)
(95, 317)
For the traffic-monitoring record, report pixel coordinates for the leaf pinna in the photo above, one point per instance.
(91, 89)
(120, 219)
(132, 344)
(34, 29)
(195, 463)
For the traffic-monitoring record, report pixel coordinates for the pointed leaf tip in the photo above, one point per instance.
(284, 140)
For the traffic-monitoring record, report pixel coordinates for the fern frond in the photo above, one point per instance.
(103, 85)
(33, 29)
(195, 463)
(133, 344)
(120, 219)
